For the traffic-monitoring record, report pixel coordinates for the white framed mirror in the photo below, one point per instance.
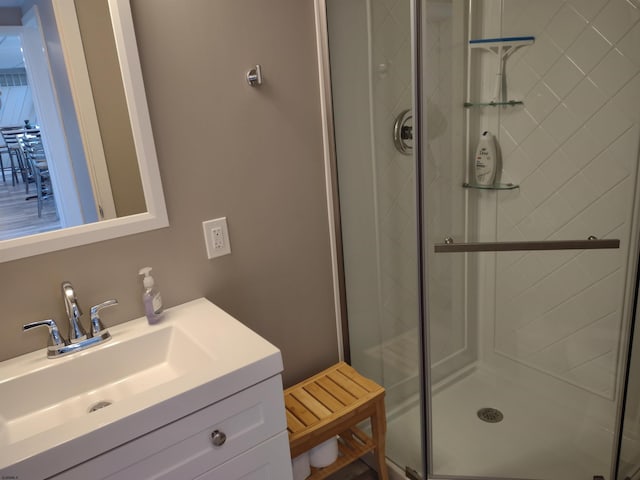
(114, 200)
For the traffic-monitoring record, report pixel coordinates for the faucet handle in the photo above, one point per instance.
(97, 328)
(55, 339)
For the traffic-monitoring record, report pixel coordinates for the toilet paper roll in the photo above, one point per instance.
(324, 454)
(300, 466)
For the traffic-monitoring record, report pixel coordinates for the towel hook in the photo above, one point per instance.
(254, 76)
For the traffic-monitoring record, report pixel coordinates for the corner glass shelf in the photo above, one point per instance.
(508, 103)
(495, 186)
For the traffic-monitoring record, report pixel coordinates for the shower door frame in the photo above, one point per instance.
(331, 178)
(423, 287)
(633, 331)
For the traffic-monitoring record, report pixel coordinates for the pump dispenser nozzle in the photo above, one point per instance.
(151, 297)
(147, 281)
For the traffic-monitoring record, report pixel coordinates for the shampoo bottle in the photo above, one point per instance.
(484, 162)
(151, 297)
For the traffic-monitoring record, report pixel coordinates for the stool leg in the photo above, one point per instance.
(14, 170)
(378, 431)
(4, 180)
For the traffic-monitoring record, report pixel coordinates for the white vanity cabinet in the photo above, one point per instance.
(198, 395)
(240, 437)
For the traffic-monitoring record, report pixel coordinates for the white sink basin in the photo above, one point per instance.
(144, 376)
(69, 388)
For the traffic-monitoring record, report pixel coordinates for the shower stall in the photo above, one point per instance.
(499, 315)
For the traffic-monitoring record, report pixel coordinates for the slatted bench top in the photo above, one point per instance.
(333, 395)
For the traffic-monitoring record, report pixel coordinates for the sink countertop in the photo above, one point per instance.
(236, 358)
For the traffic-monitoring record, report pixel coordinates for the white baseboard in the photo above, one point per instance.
(395, 472)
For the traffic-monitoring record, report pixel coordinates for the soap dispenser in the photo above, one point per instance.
(151, 298)
(485, 161)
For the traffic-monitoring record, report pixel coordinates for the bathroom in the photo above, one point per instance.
(256, 156)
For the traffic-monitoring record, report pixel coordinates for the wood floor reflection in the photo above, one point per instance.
(19, 217)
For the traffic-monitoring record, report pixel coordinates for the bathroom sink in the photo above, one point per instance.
(120, 389)
(68, 388)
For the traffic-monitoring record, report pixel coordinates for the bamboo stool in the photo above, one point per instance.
(332, 403)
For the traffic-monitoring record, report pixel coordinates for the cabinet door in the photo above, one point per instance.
(264, 462)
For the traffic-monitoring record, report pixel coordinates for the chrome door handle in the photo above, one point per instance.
(592, 243)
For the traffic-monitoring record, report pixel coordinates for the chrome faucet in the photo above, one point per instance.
(78, 338)
(76, 332)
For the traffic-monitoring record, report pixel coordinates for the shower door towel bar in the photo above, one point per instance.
(590, 244)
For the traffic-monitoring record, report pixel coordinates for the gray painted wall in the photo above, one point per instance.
(10, 16)
(225, 149)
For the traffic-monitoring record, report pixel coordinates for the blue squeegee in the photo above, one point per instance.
(503, 41)
(503, 47)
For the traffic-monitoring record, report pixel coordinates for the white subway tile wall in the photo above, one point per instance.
(573, 148)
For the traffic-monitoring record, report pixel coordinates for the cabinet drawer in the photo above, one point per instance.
(184, 449)
(268, 461)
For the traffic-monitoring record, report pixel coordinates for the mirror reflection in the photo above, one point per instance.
(62, 163)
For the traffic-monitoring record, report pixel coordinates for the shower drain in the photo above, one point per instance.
(98, 406)
(490, 415)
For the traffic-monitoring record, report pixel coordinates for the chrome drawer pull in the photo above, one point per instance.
(218, 438)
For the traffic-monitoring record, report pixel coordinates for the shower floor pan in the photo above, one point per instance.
(536, 439)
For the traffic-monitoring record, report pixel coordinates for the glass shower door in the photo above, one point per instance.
(370, 50)
(530, 278)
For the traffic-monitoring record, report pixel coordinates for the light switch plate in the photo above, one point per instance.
(216, 237)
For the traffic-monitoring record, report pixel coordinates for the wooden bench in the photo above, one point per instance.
(332, 403)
